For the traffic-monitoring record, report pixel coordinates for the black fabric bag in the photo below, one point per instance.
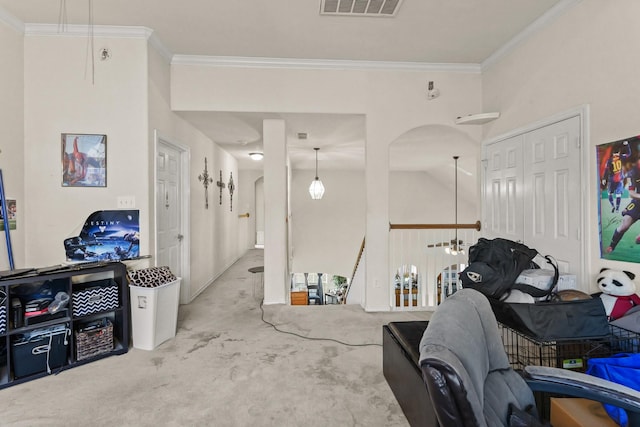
(549, 321)
(494, 266)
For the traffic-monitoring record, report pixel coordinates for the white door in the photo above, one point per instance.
(503, 205)
(168, 208)
(532, 192)
(552, 202)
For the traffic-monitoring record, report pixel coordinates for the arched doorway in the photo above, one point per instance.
(422, 178)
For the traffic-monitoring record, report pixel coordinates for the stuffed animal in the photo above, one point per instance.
(618, 292)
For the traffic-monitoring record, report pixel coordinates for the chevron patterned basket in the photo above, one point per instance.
(3, 312)
(95, 297)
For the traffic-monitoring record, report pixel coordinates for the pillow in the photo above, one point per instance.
(151, 277)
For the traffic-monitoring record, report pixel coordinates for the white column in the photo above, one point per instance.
(378, 279)
(275, 211)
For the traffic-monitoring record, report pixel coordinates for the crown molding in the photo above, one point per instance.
(156, 43)
(107, 31)
(543, 21)
(11, 20)
(324, 64)
(76, 30)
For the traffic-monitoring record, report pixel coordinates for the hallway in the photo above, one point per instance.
(227, 368)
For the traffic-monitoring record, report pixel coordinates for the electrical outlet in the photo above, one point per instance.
(126, 202)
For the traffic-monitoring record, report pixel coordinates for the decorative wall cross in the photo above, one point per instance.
(220, 185)
(231, 186)
(205, 179)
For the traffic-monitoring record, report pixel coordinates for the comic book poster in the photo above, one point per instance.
(618, 165)
(106, 236)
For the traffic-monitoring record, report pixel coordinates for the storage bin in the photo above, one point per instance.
(93, 339)
(154, 314)
(41, 350)
(94, 297)
(3, 318)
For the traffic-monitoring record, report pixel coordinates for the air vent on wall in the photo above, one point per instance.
(387, 8)
(303, 135)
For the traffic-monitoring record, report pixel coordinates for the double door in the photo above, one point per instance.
(532, 192)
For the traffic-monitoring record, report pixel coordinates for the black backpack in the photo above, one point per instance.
(494, 266)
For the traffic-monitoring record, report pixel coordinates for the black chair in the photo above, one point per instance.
(470, 381)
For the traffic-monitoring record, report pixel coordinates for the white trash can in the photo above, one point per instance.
(154, 314)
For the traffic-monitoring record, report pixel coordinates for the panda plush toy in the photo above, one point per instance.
(618, 292)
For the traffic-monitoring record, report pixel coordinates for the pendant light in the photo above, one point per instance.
(455, 248)
(316, 189)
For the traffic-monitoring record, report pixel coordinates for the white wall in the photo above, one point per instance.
(587, 56)
(214, 243)
(427, 198)
(393, 101)
(327, 233)
(129, 100)
(12, 141)
(59, 98)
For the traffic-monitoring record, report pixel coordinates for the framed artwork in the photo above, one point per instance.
(618, 166)
(84, 160)
(12, 211)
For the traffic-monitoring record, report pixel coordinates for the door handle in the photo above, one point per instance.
(166, 200)
(180, 237)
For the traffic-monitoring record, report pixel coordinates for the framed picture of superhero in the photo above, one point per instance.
(618, 164)
(84, 160)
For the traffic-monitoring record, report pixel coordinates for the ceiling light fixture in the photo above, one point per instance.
(256, 156)
(455, 247)
(316, 189)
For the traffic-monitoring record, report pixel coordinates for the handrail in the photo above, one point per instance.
(477, 226)
(355, 268)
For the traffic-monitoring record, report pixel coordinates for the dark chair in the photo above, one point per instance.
(470, 381)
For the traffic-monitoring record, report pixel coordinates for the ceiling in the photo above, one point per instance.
(424, 31)
(340, 137)
(434, 31)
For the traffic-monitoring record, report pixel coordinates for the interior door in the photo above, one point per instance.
(503, 204)
(552, 201)
(168, 213)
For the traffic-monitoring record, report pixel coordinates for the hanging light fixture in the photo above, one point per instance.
(455, 248)
(316, 189)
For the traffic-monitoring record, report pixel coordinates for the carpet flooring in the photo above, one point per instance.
(225, 367)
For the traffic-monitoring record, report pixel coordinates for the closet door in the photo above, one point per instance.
(503, 204)
(552, 193)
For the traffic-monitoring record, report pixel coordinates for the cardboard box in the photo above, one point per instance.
(579, 413)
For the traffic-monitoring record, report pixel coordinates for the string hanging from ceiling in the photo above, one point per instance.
(91, 59)
(62, 17)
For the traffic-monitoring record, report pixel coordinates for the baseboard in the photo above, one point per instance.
(211, 281)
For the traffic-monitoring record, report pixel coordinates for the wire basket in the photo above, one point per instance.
(571, 354)
(94, 340)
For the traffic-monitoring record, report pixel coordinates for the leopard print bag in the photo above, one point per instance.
(151, 277)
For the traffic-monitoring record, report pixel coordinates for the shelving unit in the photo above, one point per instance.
(71, 280)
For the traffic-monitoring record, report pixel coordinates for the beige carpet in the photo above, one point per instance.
(227, 368)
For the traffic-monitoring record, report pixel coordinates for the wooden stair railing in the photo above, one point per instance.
(355, 268)
(475, 226)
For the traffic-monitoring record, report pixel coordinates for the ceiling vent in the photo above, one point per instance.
(302, 135)
(387, 8)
